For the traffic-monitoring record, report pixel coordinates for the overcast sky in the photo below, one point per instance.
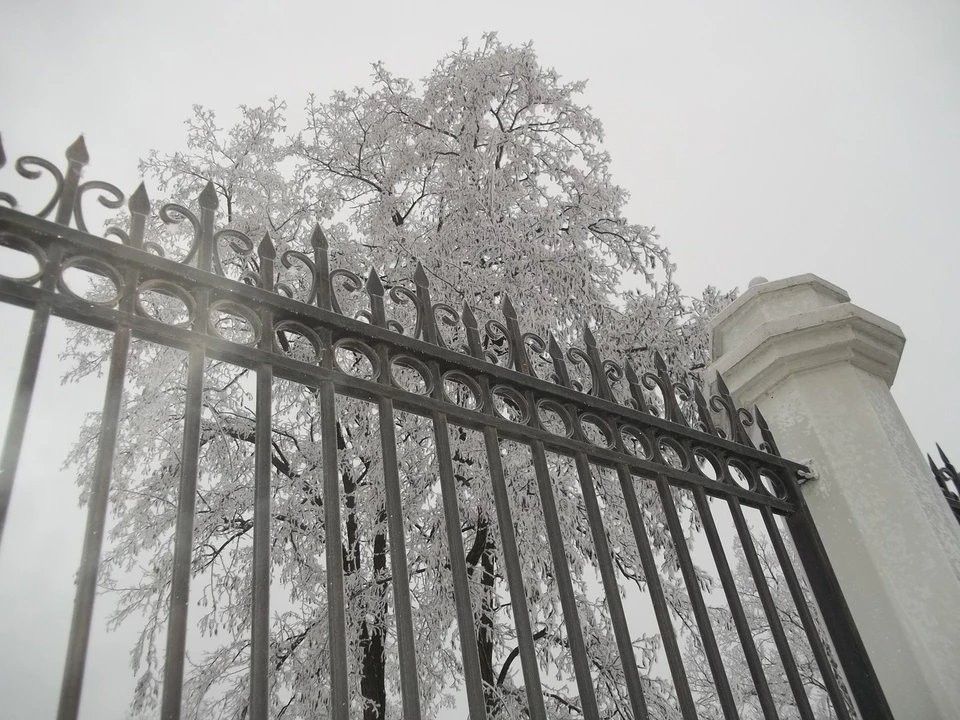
(763, 138)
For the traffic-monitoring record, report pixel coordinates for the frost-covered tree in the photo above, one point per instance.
(492, 174)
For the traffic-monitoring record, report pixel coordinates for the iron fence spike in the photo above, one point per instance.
(553, 348)
(420, 276)
(631, 373)
(3, 155)
(507, 307)
(318, 240)
(139, 201)
(588, 337)
(208, 199)
(943, 455)
(267, 248)
(374, 284)
(469, 319)
(722, 386)
(658, 362)
(77, 152)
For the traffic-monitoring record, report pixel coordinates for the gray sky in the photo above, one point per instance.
(763, 138)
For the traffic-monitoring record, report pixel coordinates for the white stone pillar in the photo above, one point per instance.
(820, 369)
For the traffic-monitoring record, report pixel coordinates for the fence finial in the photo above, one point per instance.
(374, 284)
(77, 152)
(507, 307)
(588, 337)
(420, 276)
(267, 248)
(208, 199)
(318, 240)
(3, 155)
(469, 319)
(553, 348)
(139, 202)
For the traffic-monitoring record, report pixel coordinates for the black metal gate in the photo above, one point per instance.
(508, 400)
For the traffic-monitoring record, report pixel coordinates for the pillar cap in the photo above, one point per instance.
(780, 328)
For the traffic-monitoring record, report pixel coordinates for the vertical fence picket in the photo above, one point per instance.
(333, 538)
(707, 636)
(173, 667)
(770, 610)
(651, 573)
(469, 650)
(79, 638)
(77, 159)
(806, 618)
(409, 680)
(263, 449)
(604, 556)
(508, 536)
(558, 553)
(732, 594)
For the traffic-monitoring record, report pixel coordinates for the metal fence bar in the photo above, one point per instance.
(736, 607)
(461, 587)
(263, 450)
(651, 574)
(608, 575)
(806, 618)
(65, 199)
(79, 638)
(469, 650)
(861, 676)
(770, 609)
(333, 535)
(409, 680)
(508, 537)
(611, 589)
(23, 398)
(724, 694)
(548, 503)
(172, 693)
(568, 601)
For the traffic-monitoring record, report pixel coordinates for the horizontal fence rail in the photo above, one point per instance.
(284, 318)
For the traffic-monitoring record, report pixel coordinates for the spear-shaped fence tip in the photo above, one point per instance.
(588, 337)
(267, 248)
(659, 363)
(208, 199)
(943, 456)
(761, 420)
(3, 155)
(469, 319)
(318, 240)
(933, 466)
(374, 284)
(553, 348)
(420, 276)
(722, 386)
(77, 152)
(631, 373)
(698, 395)
(509, 311)
(139, 202)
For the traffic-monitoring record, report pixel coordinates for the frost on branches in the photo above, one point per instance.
(492, 175)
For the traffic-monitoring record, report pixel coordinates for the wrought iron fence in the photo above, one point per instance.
(497, 393)
(948, 480)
